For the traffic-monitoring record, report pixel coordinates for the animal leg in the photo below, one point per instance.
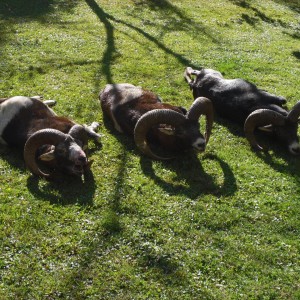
(278, 100)
(50, 103)
(187, 75)
(91, 132)
(37, 98)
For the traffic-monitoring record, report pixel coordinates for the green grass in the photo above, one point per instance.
(223, 225)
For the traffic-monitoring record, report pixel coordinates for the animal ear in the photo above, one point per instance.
(267, 128)
(167, 130)
(49, 156)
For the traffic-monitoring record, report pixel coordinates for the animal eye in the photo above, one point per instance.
(60, 151)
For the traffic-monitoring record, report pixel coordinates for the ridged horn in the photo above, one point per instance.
(38, 139)
(149, 119)
(294, 113)
(261, 117)
(202, 106)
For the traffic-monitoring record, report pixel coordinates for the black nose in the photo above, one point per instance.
(296, 150)
(200, 146)
(82, 159)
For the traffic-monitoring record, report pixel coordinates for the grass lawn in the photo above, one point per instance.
(221, 225)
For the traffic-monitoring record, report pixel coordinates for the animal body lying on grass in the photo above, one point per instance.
(141, 113)
(241, 101)
(29, 123)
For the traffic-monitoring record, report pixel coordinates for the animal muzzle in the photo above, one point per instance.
(199, 145)
(201, 106)
(79, 160)
(77, 155)
(294, 148)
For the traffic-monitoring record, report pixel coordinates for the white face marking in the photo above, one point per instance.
(76, 152)
(10, 108)
(294, 148)
(199, 144)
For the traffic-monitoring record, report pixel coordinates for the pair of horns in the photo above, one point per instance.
(263, 117)
(47, 137)
(201, 106)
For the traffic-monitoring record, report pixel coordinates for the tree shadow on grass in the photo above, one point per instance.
(33, 8)
(110, 52)
(13, 12)
(111, 219)
(259, 14)
(175, 19)
(292, 4)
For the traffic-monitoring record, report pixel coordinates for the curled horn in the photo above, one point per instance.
(149, 119)
(38, 139)
(261, 117)
(202, 106)
(294, 114)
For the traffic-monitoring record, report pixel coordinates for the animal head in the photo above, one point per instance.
(187, 135)
(183, 130)
(65, 152)
(283, 126)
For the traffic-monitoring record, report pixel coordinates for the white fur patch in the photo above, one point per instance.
(75, 152)
(294, 148)
(199, 144)
(126, 92)
(10, 108)
(120, 94)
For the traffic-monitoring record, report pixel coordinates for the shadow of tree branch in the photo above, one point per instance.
(110, 50)
(175, 19)
(33, 8)
(107, 58)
